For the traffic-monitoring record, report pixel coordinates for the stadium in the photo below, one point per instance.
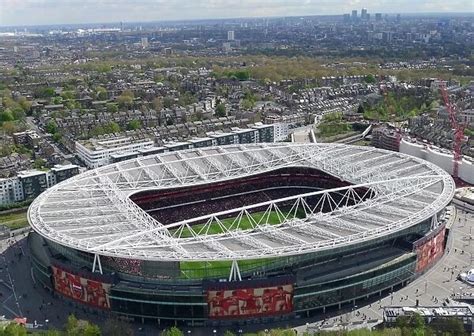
(241, 233)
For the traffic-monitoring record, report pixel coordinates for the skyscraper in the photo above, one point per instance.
(363, 14)
(378, 16)
(230, 35)
(354, 14)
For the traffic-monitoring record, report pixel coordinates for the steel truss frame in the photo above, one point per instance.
(92, 212)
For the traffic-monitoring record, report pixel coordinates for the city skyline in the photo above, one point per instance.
(50, 12)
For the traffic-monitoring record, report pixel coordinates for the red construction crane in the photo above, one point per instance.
(457, 127)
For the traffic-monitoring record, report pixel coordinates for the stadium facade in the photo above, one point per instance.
(240, 234)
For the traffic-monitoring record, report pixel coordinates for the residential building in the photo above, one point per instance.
(222, 139)
(282, 125)
(386, 138)
(98, 152)
(246, 135)
(27, 138)
(265, 132)
(11, 190)
(33, 182)
(28, 184)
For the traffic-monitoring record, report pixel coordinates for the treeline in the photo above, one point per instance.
(333, 124)
(397, 107)
(413, 325)
(13, 111)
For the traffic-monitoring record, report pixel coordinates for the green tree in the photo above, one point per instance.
(370, 79)
(56, 100)
(68, 95)
(172, 332)
(57, 137)
(112, 127)
(168, 102)
(14, 329)
(47, 92)
(98, 130)
(247, 104)
(114, 327)
(112, 108)
(134, 124)
(126, 98)
(101, 93)
(411, 325)
(18, 113)
(220, 110)
(448, 327)
(241, 75)
(51, 127)
(91, 330)
(187, 98)
(9, 127)
(72, 324)
(6, 115)
(229, 333)
(39, 163)
(25, 104)
(75, 327)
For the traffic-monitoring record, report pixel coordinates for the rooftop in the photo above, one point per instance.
(93, 212)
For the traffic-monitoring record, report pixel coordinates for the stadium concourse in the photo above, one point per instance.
(240, 234)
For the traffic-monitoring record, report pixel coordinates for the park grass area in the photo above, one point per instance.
(14, 220)
(333, 124)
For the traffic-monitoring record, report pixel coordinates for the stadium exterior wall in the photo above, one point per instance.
(93, 245)
(168, 302)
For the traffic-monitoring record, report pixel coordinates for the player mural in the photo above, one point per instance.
(429, 249)
(81, 289)
(250, 301)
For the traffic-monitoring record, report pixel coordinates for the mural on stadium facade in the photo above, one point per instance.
(250, 301)
(429, 249)
(88, 291)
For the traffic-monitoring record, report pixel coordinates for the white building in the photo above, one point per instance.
(230, 35)
(97, 152)
(281, 131)
(283, 125)
(11, 190)
(443, 158)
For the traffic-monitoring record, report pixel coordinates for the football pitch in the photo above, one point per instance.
(203, 269)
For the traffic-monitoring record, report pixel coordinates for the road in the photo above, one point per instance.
(32, 125)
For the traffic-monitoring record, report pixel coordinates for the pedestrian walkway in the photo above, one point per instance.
(438, 286)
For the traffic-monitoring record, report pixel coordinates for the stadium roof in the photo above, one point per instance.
(92, 212)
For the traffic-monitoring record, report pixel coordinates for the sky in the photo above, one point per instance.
(37, 12)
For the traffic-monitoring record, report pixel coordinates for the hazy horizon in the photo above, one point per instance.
(63, 12)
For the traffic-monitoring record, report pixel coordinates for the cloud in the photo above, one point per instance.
(28, 12)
